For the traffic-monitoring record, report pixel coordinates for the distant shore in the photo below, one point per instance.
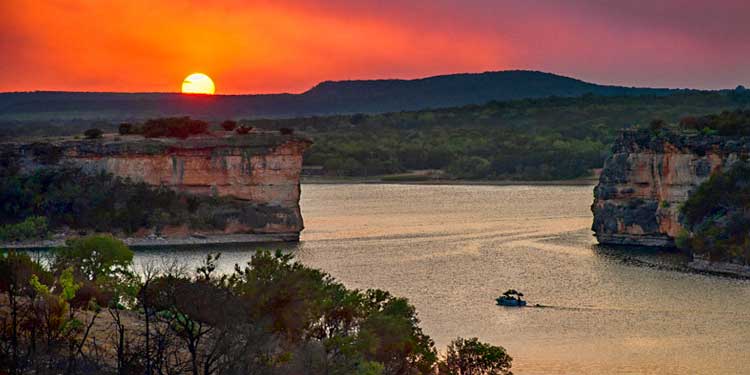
(405, 181)
(156, 241)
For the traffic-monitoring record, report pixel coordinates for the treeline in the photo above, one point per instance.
(726, 123)
(52, 198)
(553, 138)
(87, 310)
(539, 139)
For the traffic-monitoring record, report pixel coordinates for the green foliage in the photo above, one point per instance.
(535, 139)
(17, 270)
(104, 203)
(275, 315)
(68, 286)
(716, 214)
(95, 257)
(473, 167)
(727, 123)
(472, 357)
(33, 227)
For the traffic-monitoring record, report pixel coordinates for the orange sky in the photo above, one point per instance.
(257, 46)
(244, 46)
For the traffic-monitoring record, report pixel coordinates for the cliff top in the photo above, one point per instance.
(137, 144)
(640, 140)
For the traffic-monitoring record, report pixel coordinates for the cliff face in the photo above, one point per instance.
(261, 171)
(646, 180)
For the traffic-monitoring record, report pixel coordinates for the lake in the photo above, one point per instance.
(453, 249)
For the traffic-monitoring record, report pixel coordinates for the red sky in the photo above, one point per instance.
(288, 46)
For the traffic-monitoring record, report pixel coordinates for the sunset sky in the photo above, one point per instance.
(288, 46)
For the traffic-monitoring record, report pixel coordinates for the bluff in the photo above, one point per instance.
(649, 177)
(257, 173)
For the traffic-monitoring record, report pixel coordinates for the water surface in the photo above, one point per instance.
(452, 249)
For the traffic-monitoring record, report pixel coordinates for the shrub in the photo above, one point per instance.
(174, 127)
(34, 227)
(470, 356)
(286, 131)
(125, 129)
(244, 129)
(656, 125)
(229, 125)
(93, 133)
(94, 257)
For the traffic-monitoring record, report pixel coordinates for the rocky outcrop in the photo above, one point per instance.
(260, 171)
(646, 180)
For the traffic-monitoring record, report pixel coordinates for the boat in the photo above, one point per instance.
(511, 297)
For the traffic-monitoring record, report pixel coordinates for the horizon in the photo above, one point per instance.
(289, 46)
(366, 80)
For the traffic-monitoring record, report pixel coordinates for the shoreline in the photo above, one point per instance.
(720, 268)
(224, 239)
(376, 180)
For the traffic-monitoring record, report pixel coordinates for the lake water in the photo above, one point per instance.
(452, 249)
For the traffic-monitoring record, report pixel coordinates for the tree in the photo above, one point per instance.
(16, 272)
(93, 133)
(472, 357)
(125, 129)
(656, 125)
(244, 129)
(97, 258)
(229, 125)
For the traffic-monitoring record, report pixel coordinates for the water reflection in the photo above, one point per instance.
(452, 249)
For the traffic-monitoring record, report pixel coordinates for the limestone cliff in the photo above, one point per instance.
(261, 171)
(646, 180)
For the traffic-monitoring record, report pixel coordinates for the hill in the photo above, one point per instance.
(332, 97)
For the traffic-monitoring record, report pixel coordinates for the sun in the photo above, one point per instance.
(198, 83)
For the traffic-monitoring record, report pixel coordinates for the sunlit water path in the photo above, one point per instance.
(452, 249)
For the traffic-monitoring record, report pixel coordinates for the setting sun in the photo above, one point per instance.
(198, 83)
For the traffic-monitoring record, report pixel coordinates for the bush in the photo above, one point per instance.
(286, 131)
(244, 129)
(173, 127)
(229, 125)
(94, 257)
(93, 133)
(472, 167)
(125, 129)
(34, 227)
(470, 356)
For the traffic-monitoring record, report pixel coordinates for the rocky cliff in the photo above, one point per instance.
(646, 180)
(260, 171)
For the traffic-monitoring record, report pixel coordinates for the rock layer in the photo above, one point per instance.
(647, 179)
(260, 170)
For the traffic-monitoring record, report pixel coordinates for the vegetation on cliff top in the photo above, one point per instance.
(717, 216)
(86, 310)
(726, 123)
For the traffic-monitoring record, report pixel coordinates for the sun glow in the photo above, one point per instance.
(198, 83)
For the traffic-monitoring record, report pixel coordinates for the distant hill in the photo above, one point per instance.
(330, 97)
